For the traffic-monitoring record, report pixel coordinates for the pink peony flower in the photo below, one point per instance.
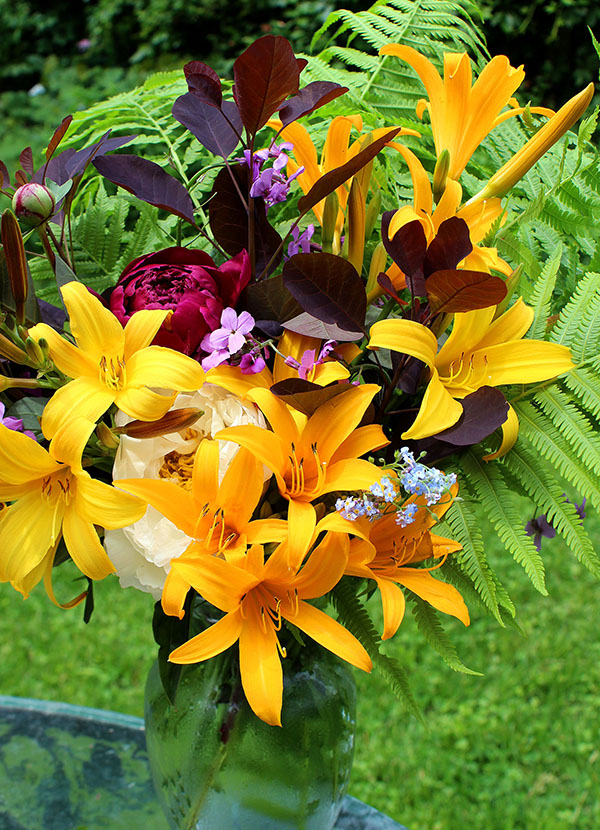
(186, 281)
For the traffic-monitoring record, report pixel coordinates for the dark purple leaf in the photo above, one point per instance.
(4, 176)
(332, 180)
(327, 287)
(312, 327)
(228, 218)
(53, 316)
(483, 412)
(264, 76)
(302, 64)
(450, 245)
(81, 159)
(56, 169)
(148, 182)
(58, 136)
(310, 98)
(26, 160)
(458, 291)
(269, 327)
(216, 129)
(203, 82)
(387, 286)
(410, 377)
(271, 300)
(20, 178)
(407, 249)
(305, 396)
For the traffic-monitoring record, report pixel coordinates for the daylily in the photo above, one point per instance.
(255, 596)
(480, 351)
(336, 152)
(463, 114)
(316, 455)
(111, 364)
(51, 496)
(479, 215)
(385, 553)
(216, 517)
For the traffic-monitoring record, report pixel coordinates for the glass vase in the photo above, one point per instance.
(216, 766)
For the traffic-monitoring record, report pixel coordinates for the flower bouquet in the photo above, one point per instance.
(283, 386)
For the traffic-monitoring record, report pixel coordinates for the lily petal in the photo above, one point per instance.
(99, 503)
(84, 397)
(160, 367)
(141, 329)
(442, 596)
(260, 669)
(218, 581)
(438, 411)
(70, 360)
(84, 546)
(23, 460)
(330, 634)
(96, 330)
(209, 643)
(168, 498)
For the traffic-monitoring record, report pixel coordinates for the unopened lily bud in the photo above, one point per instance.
(18, 383)
(373, 213)
(106, 436)
(174, 421)
(355, 226)
(440, 175)
(556, 126)
(33, 204)
(16, 262)
(34, 352)
(378, 263)
(330, 215)
(12, 352)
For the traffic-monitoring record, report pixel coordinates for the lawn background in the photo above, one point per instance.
(517, 749)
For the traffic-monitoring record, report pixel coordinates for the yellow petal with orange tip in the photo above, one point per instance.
(168, 498)
(442, 596)
(96, 330)
(329, 634)
(210, 642)
(442, 546)
(141, 329)
(85, 547)
(260, 668)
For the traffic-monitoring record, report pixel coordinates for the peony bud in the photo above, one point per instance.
(33, 204)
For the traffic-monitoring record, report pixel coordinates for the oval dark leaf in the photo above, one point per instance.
(203, 82)
(271, 300)
(310, 98)
(217, 129)
(483, 412)
(305, 396)
(148, 182)
(264, 76)
(312, 327)
(457, 291)
(327, 287)
(451, 244)
(59, 134)
(407, 249)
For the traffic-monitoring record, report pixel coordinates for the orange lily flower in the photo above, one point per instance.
(316, 455)
(385, 553)
(462, 113)
(111, 364)
(255, 596)
(51, 497)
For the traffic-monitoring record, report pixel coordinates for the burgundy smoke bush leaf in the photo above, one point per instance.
(26, 160)
(387, 287)
(310, 98)
(450, 245)
(58, 136)
(327, 287)
(4, 175)
(302, 63)
(148, 182)
(77, 163)
(228, 218)
(217, 129)
(458, 291)
(264, 76)
(407, 249)
(332, 180)
(311, 326)
(271, 300)
(203, 82)
(483, 412)
(305, 396)
(56, 169)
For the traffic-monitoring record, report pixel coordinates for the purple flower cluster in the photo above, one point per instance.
(230, 339)
(541, 526)
(369, 504)
(270, 183)
(300, 243)
(309, 359)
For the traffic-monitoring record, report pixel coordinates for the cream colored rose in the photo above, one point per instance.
(142, 552)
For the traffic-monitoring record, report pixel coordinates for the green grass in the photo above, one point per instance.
(515, 749)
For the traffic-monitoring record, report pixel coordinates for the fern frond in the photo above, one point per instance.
(585, 384)
(429, 624)
(574, 426)
(495, 498)
(542, 295)
(534, 475)
(570, 319)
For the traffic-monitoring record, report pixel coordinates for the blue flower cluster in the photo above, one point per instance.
(420, 480)
(368, 504)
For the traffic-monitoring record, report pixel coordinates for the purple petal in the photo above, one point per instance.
(245, 322)
(229, 319)
(214, 359)
(236, 341)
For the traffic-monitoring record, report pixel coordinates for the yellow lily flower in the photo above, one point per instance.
(386, 552)
(217, 517)
(480, 351)
(51, 496)
(111, 364)
(336, 151)
(462, 113)
(313, 456)
(479, 215)
(255, 596)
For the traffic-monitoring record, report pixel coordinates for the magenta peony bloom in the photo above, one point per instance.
(187, 281)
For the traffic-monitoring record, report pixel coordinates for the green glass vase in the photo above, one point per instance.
(216, 766)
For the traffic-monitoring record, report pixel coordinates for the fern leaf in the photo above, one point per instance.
(542, 295)
(584, 383)
(429, 624)
(495, 498)
(572, 314)
(538, 479)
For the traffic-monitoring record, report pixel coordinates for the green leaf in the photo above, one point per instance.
(429, 624)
